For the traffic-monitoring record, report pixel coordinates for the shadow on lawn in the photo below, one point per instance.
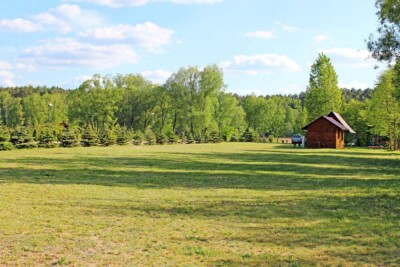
(263, 170)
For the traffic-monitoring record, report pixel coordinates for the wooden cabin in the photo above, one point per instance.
(327, 131)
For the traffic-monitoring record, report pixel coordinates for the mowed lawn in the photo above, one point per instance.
(230, 204)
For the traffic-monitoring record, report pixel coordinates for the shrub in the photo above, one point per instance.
(4, 134)
(183, 138)
(215, 137)
(190, 139)
(249, 136)
(150, 137)
(108, 137)
(161, 139)
(172, 138)
(6, 146)
(138, 138)
(69, 138)
(89, 137)
(22, 138)
(123, 135)
(47, 138)
(271, 139)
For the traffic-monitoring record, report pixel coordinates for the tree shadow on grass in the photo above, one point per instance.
(274, 169)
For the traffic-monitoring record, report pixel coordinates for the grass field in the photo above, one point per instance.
(199, 205)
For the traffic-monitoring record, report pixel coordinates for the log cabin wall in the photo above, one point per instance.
(323, 134)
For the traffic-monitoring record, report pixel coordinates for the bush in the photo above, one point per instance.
(6, 146)
(138, 138)
(172, 138)
(271, 139)
(249, 136)
(108, 137)
(123, 135)
(22, 138)
(47, 138)
(190, 139)
(150, 137)
(161, 139)
(89, 138)
(215, 137)
(182, 138)
(69, 138)
(4, 134)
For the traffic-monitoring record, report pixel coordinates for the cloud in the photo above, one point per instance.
(76, 82)
(60, 53)
(63, 18)
(291, 89)
(6, 76)
(157, 76)
(260, 34)
(18, 25)
(353, 84)
(350, 57)
(136, 3)
(321, 38)
(261, 63)
(287, 28)
(149, 35)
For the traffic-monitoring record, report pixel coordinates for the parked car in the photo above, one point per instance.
(297, 139)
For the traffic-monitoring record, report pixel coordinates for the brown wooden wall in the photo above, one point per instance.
(323, 134)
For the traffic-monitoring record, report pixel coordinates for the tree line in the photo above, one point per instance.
(193, 105)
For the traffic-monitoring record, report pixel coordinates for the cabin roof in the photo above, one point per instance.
(341, 120)
(335, 119)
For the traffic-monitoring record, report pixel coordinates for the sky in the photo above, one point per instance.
(263, 46)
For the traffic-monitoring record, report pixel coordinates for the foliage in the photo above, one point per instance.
(384, 112)
(4, 134)
(150, 137)
(138, 138)
(108, 137)
(69, 138)
(22, 137)
(161, 139)
(386, 46)
(323, 94)
(89, 137)
(123, 135)
(47, 138)
(6, 146)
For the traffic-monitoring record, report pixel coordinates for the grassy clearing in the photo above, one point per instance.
(193, 205)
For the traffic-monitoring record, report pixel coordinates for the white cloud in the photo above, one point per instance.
(321, 38)
(6, 76)
(136, 3)
(291, 89)
(149, 35)
(18, 25)
(63, 18)
(261, 63)
(261, 34)
(353, 84)
(288, 28)
(350, 57)
(67, 52)
(76, 82)
(157, 76)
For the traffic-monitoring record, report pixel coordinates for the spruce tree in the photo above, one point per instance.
(89, 137)
(69, 138)
(323, 93)
(22, 138)
(5, 138)
(47, 138)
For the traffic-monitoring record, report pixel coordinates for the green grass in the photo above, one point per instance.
(199, 205)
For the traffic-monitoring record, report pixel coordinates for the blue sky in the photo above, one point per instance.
(263, 46)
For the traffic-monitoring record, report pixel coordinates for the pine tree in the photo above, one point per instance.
(323, 94)
(5, 138)
(22, 138)
(47, 138)
(108, 137)
(89, 137)
(69, 138)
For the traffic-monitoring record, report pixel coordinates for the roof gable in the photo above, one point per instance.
(335, 119)
(340, 119)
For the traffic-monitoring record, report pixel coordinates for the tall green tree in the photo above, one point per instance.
(323, 94)
(384, 113)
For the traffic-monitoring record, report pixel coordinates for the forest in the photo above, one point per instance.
(193, 106)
